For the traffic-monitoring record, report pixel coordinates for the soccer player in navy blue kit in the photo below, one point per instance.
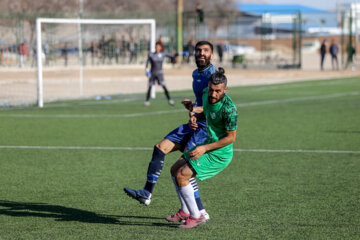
(183, 137)
(156, 60)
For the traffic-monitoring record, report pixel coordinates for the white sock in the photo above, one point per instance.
(182, 202)
(187, 193)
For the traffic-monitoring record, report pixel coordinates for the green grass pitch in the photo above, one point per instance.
(267, 192)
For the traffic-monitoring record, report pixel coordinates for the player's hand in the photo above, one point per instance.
(188, 104)
(192, 122)
(197, 152)
(147, 73)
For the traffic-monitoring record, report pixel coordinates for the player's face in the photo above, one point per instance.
(158, 48)
(216, 92)
(203, 56)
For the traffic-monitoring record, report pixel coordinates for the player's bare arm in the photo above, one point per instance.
(200, 150)
(194, 116)
(188, 104)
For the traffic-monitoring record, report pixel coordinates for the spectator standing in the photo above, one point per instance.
(351, 52)
(1, 56)
(64, 53)
(123, 49)
(102, 49)
(117, 51)
(220, 51)
(93, 51)
(132, 50)
(200, 13)
(191, 50)
(334, 49)
(47, 53)
(111, 50)
(323, 53)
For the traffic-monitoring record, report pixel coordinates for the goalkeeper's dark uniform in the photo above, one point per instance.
(156, 60)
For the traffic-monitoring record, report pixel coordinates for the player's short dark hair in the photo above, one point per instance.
(218, 77)
(200, 43)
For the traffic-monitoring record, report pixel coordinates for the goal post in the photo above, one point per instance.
(39, 50)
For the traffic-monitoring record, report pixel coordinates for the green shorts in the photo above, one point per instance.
(210, 163)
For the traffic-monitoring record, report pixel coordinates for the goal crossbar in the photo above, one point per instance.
(39, 21)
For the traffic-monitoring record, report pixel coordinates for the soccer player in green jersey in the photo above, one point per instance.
(211, 157)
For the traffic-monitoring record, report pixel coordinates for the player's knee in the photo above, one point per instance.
(161, 147)
(181, 177)
(165, 146)
(158, 145)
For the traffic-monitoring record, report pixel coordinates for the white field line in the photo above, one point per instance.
(303, 84)
(266, 102)
(150, 149)
(89, 103)
(130, 115)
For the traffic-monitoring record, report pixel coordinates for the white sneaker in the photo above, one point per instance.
(147, 103)
(171, 102)
(141, 195)
(205, 214)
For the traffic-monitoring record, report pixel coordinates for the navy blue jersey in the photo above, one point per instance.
(184, 135)
(200, 82)
(156, 60)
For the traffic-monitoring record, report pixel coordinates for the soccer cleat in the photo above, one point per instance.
(171, 102)
(193, 222)
(142, 195)
(147, 103)
(179, 216)
(205, 214)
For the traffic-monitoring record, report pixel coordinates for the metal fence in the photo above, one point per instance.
(270, 40)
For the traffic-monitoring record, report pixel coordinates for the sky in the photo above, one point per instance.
(322, 4)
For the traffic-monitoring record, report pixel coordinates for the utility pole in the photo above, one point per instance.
(356, 24)
(179, 19)
(338, 12)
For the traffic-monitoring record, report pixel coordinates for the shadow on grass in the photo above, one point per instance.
(60, 213)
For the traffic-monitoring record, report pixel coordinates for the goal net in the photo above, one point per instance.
(83, 58)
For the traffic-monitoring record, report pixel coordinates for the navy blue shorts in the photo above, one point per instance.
(187, 137)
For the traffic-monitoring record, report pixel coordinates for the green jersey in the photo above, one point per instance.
(220, 117)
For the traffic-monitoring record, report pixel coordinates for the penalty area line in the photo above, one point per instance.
(150, 149)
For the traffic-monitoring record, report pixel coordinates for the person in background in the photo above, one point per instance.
(156, 60)
(220, 51)
(334, 49)
(323, 53)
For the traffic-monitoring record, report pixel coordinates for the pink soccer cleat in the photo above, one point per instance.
(193, 222)
(178, 216)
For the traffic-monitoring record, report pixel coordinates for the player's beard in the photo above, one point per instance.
(210, 98)
(203, 64)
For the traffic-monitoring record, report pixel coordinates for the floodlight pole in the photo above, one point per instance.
(179, 20)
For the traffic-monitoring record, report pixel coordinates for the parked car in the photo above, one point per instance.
(239, 49)
(311, 47)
